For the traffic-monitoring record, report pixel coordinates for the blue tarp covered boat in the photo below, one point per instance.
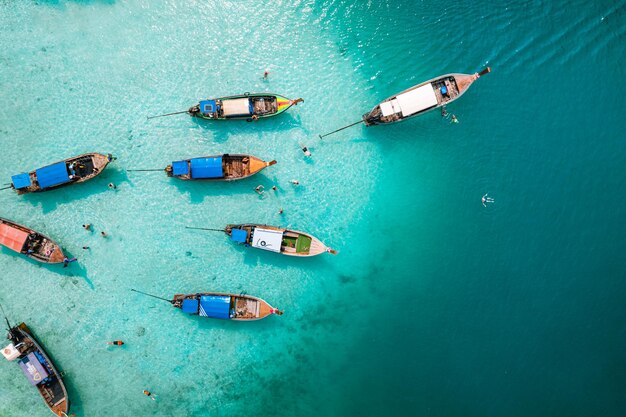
(222, 306)
(217, 167)
(72, 170)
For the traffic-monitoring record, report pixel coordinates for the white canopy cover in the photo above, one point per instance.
(390, 107)
(236, 107)
(414, 101)
(267, 239)
(10, 352)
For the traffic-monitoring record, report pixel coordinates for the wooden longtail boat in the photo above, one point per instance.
(38, 368)
(217, 168)
(218, 305)
(69, 171)
(33, 244)
(277, 239)
(421, 98)
(224, 306)
(248, 106)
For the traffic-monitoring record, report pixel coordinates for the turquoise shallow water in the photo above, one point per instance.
(434, 306)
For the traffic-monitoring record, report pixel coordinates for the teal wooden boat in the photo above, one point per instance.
(248, 106)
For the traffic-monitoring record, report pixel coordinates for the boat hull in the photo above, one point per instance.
(293, 243)
(282, 104)
(456, 85)
(43, 248)
(242, 307)
(54, 392)
(234, 166)
(97, 160)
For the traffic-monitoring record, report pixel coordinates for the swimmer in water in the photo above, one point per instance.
(486, 200)
(306, 150)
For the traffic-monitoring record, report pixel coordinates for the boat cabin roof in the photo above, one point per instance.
(52, 175)
(214, 306)
(239, 235)
(33, 368)
(267, 239)
(180, 167)
(206, 167)
(411, 102)
(208, 107)
(12, 237)
(237, 107)
(21, 180)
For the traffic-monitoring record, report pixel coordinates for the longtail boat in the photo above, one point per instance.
(429, 95)
(277, 239)
(26, 241)
(248, 106)
(38, 368)
(245, 106)
(69, 171)
(217, 168)
(223, 306)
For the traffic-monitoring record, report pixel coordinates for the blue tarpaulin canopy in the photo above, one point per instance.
(33, 370)
(190, 306)
(206, 167)
(180, 167)
(21, 180)
(52, 175)
(215, 306)
(208, 106)
(239, 235)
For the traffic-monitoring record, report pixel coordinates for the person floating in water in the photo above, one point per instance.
(486, 200)
(87, 226)
(295, 182)
(454, 119)
(266, 74)
(306, 150)
(112, 186)
(280, 211)
(444, 112)
(149, 394)
(67, 261)
(103, 234)
(115, 343)
(259, 189)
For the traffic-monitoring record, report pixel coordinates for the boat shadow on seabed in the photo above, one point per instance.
(222, 130)
(198, 191)
(73, 269)
(50, 200)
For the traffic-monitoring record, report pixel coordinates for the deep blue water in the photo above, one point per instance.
(435, 305)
